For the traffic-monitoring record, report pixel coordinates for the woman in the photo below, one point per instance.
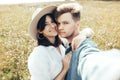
(45, 62)
(48, 60)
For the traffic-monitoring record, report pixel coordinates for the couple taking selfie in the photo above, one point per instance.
(64, 51)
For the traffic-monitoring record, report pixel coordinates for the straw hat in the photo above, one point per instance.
(36, 17)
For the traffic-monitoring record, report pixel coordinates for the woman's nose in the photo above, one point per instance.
(53, 25)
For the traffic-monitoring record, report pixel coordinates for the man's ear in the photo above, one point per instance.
(78, 23)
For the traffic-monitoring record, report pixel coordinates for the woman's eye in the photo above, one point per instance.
(52, 22)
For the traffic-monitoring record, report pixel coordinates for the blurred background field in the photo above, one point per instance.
(15, 43)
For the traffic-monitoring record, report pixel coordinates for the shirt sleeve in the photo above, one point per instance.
(86, 48)
(38, 65)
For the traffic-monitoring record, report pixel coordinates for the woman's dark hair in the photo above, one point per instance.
(42, 40)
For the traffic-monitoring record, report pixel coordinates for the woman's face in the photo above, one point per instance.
(50, 28)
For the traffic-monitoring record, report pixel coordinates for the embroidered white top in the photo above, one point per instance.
(45, 63)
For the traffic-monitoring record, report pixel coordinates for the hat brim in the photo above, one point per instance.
(36, 17)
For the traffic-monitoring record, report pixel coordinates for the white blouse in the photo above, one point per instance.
(45, 63)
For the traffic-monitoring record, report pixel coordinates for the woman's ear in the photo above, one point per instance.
(39, 31)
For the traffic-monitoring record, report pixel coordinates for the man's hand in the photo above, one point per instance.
(76, 42)
(85, 33)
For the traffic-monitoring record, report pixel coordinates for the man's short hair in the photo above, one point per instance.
(73, 8)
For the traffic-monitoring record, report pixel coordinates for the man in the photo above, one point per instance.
(84, 64)
(68, 18)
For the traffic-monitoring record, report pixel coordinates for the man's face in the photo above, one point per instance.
(66, 25)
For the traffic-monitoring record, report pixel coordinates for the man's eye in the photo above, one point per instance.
(58, 24)
(65, 22)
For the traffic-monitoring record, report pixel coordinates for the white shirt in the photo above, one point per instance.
(45, 63)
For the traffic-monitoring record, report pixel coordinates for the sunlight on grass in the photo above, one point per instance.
(103, 17)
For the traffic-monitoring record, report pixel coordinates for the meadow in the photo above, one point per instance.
(16, 44)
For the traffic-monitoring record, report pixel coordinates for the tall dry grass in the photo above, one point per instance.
(16, 45)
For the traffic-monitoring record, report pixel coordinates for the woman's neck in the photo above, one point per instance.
(52, 39)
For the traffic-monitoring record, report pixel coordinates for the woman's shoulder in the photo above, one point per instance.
(40, 48)
(39, 52)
